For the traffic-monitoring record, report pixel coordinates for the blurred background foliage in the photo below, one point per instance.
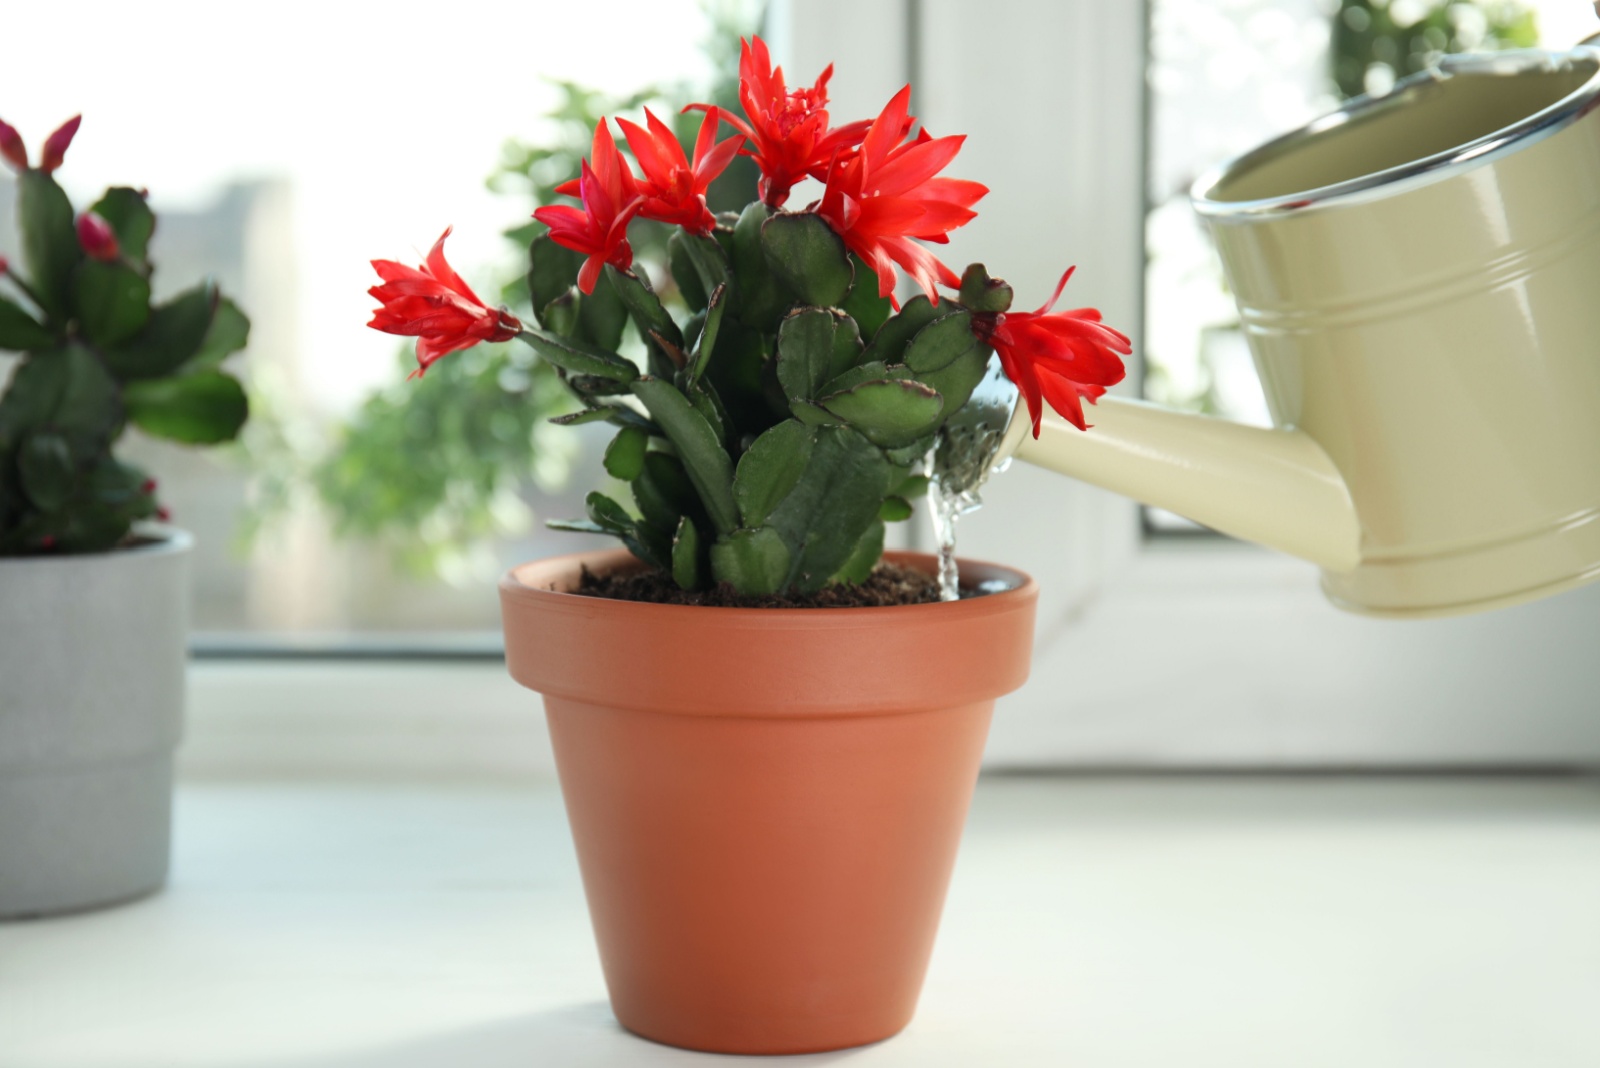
(432, 470)
(1377, 42)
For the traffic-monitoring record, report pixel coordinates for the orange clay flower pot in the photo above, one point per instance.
(766, 802)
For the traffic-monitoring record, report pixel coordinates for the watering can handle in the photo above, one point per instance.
(1272, 486)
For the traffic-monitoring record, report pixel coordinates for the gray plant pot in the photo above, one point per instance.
(92, 652)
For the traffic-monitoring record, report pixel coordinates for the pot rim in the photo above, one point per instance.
(765, 663)
(612, 560)
(166, 541)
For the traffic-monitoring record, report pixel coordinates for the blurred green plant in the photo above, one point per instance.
(432, 471)
(1377, 42)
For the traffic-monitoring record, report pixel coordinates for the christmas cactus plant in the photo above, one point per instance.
(96, 357)
(768, 438)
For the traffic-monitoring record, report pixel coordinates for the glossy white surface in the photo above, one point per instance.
(1092, 921)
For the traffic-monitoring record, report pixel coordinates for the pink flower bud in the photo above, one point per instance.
(148, 486)
(56, 147)
(163, 514)
(12, 148)
(47, 542)
(5, 265)
(96, 238)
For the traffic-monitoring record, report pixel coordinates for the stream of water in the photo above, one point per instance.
(945, 507)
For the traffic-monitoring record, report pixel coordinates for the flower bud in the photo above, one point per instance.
(55, 149)
(96, 238)
(5, 265)
(12, 148)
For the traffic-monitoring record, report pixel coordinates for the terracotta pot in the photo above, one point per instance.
(766, 803)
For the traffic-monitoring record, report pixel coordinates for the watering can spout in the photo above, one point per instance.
(1276, 487)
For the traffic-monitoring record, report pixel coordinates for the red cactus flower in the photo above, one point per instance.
(1059, 356)
(789, 129)
(433, 305)
(611, 198)
(5, 265)
(673, 191)
(55, 147)
(97, 239)
(886, 194)
(12, 150)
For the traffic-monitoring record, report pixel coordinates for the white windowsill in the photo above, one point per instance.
(1315, 922)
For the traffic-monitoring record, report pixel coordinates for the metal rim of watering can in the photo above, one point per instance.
(1541, 124)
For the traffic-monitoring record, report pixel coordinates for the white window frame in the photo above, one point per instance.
(1151, 651)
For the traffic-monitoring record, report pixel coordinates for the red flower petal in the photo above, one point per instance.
(433, 304)
(55, 147)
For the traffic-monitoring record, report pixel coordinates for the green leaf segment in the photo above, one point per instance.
(769, 438)
(95, 357)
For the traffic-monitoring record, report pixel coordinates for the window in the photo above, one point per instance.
(338, 134)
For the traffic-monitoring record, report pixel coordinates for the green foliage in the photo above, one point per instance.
(427, 466)
(777, 443)
(97, 357)
(1367, 34)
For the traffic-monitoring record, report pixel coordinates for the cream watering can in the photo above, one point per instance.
(1418, 276)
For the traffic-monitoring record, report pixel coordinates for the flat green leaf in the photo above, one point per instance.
(706, 258)
(805, 352)
(21, 332)
(131, 220)
(655, 324)
(171, 337)
(65, 390)
(913, 488)
(869, 310)
(889, 413)
(602, 317)
(229, 333)
(686, 555)
(894, 510)
(580, 358)
(49, 241)
(47, 470)
(811, 415)
(624, 458)
(810, 259)
(705, 400)
(868, 551)
(889, 343)
(704, 459)
(664, 493)
(684, 272)
(614, 413)
(113, 301)
(198, 409)
(940, 343)
(956, 381)
(577, 526)
(982, 293)
(769, 469)
(867, 372)
(754, 562)
(763, 298)
(846, 344)
(707, 342)
(836, 499)
(552, 273)
(608, 514)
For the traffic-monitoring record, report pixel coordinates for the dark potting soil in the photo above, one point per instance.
(890, 584)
